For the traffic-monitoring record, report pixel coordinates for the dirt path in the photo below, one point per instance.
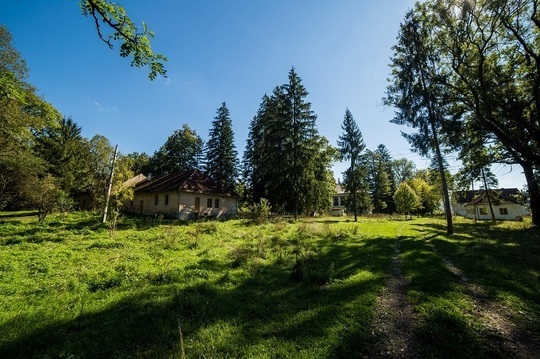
(393, 325)
(506, 336)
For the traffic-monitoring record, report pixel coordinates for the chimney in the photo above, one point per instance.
(149, 177)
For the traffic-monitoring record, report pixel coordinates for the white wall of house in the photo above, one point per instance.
(208, 205)
(509, 211)
(338, 204)
(183, 205)
(459, 209)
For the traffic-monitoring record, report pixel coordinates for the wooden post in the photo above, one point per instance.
(110, 186)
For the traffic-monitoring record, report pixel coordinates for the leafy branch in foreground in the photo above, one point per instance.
(135, 43)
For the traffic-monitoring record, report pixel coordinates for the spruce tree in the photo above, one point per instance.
(65, 152)
(286, 161)
(301, 144)
(351, 145)
(252, 165)
(380, 180)
(221, 155)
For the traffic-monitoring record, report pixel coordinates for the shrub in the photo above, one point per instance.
(257, 212)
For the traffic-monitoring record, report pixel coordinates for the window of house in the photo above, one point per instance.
(156, 199)
(503, 211)
(336, 201)
(482, 211)
(216, 203)
(209, 203)
(166, 199)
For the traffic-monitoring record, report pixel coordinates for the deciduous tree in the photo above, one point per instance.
(406, 199)
(22, 113)
(492, 50)
(402, 170)
(114, 25)
(182, 151)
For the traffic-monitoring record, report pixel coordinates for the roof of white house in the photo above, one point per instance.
(478, 197)
(186, 181)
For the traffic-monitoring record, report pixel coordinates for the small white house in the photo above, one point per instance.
(338, 201)
(507, 204)
(181, 195)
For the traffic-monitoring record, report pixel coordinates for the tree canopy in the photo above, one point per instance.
(182, 151)
(485, 62)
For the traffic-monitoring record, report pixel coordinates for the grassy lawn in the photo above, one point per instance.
(68, 288)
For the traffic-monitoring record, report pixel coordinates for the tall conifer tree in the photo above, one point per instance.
(65, 152)
(418, 93)
(380, 180)
(286, 161)
(351, 145)
(221, 155)
(300, 122)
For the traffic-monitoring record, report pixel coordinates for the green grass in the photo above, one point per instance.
(232, 289)
(502, 259)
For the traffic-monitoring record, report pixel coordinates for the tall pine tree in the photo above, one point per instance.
(380, 177)
(416, 90)
(221, 155)
(286, 161)
(65, 151)
(351, 145)
(300, 122)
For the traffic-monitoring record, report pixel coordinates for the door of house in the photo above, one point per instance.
(197, 204)
(141, 206)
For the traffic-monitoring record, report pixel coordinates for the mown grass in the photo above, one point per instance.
(68, 288)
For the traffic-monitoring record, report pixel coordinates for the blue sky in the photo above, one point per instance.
(231, 51)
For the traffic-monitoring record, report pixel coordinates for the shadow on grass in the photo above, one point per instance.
(23, 214)
(501, 259)
(503, 262)
(268, 314)
(323, 308)
(443, 330)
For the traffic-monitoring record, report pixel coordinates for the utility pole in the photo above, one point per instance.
(110, 186)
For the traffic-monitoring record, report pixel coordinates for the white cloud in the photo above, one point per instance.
(102, 108)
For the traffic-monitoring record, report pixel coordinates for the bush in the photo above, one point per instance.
(257, 212)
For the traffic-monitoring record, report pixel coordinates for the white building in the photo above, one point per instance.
(507, 204)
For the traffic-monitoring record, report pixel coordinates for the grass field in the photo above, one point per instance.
(307, 289)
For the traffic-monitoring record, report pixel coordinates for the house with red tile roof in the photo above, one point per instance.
(182, 195)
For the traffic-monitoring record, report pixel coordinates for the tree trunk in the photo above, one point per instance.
(354, 189)
(534, 192)
(447, 209)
